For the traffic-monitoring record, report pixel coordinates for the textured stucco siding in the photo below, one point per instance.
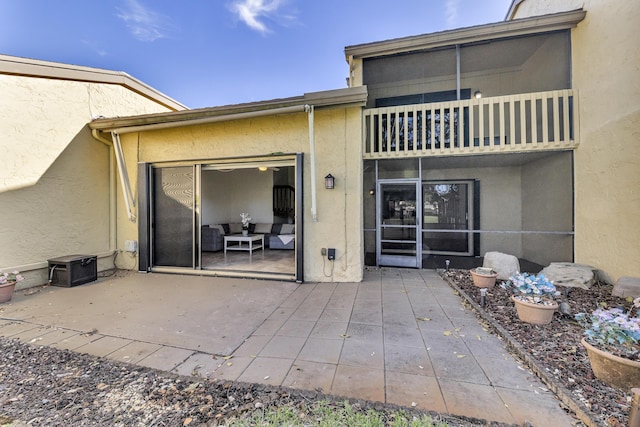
(605, 66)
(338, 151)
(54, 183)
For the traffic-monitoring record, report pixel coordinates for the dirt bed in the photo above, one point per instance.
(556, 348)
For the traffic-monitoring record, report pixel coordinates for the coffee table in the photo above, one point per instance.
(244, 243)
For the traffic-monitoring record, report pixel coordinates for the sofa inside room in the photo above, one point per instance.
(276, 236)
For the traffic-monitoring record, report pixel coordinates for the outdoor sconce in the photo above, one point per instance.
(372, 192)
(477, 94)
(329, 182)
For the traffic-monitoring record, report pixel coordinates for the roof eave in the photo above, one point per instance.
(13, 65)
(518, 27)
(356, 96)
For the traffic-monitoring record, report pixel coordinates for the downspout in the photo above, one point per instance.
(112, 190)
(312, 149)
(129, 202)
(458, 72)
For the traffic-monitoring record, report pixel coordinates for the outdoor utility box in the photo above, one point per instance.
(73, 270)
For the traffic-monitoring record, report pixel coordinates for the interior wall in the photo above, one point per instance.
(547, 205)
(227, 194)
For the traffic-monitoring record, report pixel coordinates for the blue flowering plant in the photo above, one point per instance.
(614, 329)
(536, 289)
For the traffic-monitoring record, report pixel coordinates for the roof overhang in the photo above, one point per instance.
(356, 97)
(461, 36)
(13, 65)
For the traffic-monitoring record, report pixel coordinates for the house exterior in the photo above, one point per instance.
(518, 136)
(57, 185)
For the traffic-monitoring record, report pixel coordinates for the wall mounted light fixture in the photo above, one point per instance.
(477, 94)
(372, 192)
(329, 182)
(262, 168)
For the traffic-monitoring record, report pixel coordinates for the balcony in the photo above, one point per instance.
(514, 123)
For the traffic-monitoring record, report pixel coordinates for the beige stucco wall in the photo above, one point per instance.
(338, 151)
(606, 65)
(54, 182)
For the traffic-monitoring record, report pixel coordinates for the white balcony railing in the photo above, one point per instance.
(513, 123)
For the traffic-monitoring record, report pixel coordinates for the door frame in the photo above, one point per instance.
(399, 260)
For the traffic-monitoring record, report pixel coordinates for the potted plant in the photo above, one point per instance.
(483, 277)
(611, 339)
(7, 285)
(246, 218)
(533, 297)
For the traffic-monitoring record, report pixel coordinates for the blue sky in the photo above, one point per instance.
(207, 53)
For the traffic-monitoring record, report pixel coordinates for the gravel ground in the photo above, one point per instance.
(556, 349)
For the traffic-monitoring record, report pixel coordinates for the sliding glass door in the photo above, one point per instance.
(173, 218)
(447, 217)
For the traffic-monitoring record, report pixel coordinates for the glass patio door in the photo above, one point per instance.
(173, 217)
(447, 217)
(398, 224)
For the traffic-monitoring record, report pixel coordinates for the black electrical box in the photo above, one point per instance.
(331, 254)
(73, 270)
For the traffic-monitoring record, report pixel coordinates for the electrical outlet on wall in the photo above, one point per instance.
(331, 254)
(323, 251)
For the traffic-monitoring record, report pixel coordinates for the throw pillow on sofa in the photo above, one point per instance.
(219, 227)
(287, 229)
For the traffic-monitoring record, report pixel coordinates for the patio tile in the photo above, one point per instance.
(308, 312)
(445, 341)
(368, 317)
(475, 400)
(307, 375)
(362, 353)
(166, 358)
(329, 330)
(32, 336)
(103, 346)
(285, 347)
(270, 327)
(13, 328)
(296, 328)
(406, 389)
(505, 372)
(336, 315)
(362, 331)
(198, 365)
(403, 336)
(74, 342)
(458, 366)
(359, 382)
(134, 352)
(321, 350)
(407, 360)
(267, 370)
(231, 369)
(252, 346)
(298, 296)
(527, 405)
(54, 336)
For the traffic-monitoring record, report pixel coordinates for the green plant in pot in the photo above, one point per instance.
(611, 339)
(533, 297)
(8, 283)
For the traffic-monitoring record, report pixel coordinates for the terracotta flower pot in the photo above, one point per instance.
(483, 280)
(6, 291)
(613, 370)
(537, 314)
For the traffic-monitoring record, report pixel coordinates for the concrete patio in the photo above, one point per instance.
(401, 336)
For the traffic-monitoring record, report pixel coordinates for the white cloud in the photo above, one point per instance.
(145, 24)
(451, 12)
(253, 12)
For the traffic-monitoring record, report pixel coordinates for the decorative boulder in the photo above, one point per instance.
(503, 264)
(570, 275)
(627, 287)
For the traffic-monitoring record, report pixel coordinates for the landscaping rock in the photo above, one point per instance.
(503, 264)
(627, 287)
(570, 275)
